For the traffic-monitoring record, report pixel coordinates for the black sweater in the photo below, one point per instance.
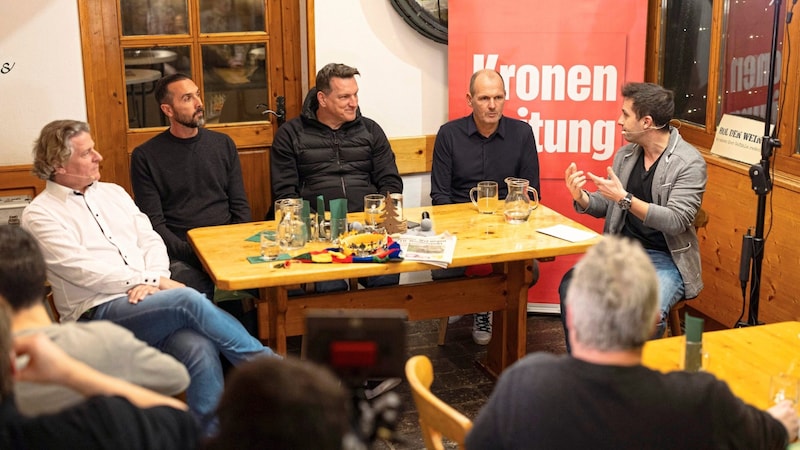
(188, 183)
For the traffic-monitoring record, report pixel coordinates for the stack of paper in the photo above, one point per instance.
(436, 250)
(568, 233)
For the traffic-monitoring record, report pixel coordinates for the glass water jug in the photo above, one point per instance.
(518, 204)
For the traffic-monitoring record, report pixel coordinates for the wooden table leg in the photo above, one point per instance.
(277, 301)
(509, 328)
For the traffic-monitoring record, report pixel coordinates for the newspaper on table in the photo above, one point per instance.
(437, 250)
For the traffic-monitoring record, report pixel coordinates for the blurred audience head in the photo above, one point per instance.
(282, 404)
(6, 351)
(22, 268)
(613, 298)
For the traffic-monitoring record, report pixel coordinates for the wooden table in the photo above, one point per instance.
(745, 358)
(482, 239)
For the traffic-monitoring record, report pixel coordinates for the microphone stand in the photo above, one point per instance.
(753, 245)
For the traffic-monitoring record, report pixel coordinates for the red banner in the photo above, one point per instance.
(563, 66)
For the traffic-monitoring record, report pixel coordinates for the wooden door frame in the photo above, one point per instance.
(105, 84)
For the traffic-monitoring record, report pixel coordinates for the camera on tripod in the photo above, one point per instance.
(358, 346)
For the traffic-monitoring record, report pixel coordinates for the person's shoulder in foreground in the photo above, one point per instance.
(602, 396)
(116, 414)
(110, 349)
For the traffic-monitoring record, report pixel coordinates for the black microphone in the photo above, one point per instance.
(747, 256)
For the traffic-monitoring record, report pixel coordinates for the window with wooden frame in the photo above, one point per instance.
(715, 56)
(241, 53)
(221, 44)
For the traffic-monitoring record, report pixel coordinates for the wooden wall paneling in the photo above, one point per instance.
(731, 205)
(257, 185)
(104, 85)
(18, 180)
(292, 60)
(413, 154)
(311, 36)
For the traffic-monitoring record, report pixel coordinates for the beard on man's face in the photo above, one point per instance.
(197, 120)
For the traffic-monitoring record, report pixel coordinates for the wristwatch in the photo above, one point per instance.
(625, 202)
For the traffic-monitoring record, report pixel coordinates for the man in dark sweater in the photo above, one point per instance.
(602, 397)
(187, 177)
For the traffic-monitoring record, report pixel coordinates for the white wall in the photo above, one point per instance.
(403, 83)
(40, 44)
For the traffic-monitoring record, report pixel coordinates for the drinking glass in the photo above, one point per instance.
(782, 387)
(282, 203)
(324, 230)
(269, 245)
(373, 209)
(312, 225)
(486, 200)
(338, 228)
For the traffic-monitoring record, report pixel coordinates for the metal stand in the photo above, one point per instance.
(753, 245)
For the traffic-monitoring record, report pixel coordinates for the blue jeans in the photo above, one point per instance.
(670, 290)
(201, 359)
(183, 323)
(670, 285)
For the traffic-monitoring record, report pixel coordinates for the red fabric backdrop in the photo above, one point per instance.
(563, 65)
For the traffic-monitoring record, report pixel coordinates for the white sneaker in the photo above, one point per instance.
(453, 319)
(482, 328)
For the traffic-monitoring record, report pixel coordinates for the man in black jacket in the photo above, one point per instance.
(331, 149)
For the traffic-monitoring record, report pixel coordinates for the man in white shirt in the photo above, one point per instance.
(105, 261)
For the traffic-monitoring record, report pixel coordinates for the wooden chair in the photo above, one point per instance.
(437, 419)
(674, 319)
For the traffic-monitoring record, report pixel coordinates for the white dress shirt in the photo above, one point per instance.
(97, 245)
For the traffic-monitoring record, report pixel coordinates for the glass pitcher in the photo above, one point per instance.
(292, 230)
(518, 204)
